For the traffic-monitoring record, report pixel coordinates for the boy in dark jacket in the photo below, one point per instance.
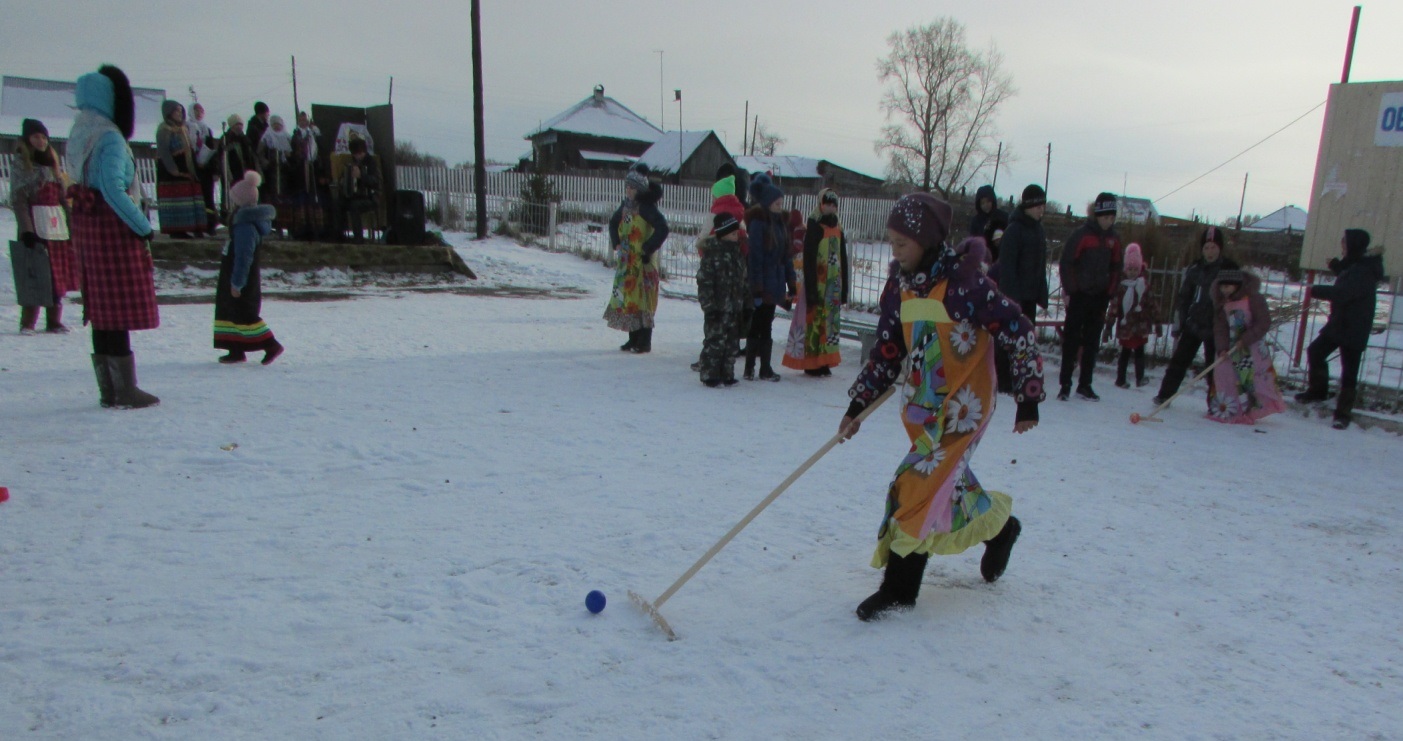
(1193, 311)
(1090, 269)
(1022, 254)
(986, 208)
(1352, 302)
(722, 290)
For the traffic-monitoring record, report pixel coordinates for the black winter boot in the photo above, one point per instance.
(997, 549)
(1344, 408)
(644, 341)
(900, 585)
(628, 346)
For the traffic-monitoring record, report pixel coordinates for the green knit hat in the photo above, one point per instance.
(724, 187)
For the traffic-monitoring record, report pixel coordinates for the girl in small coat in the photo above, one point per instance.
(637, 231)
(1243, 387)
(37, 186)
(813, 333)
(940, 317)
(238, 300)
(1132, 314)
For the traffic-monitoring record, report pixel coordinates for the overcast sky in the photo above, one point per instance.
(1135, 95)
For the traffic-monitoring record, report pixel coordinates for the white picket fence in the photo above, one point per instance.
(145, 174)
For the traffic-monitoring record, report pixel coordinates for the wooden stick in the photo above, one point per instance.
(652, 608)
(1136, 419)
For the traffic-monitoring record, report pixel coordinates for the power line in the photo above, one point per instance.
(1239, 154)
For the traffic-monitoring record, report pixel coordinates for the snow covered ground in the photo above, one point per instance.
(426, 485)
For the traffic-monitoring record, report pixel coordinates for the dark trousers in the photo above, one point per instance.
(758, 342)
(1184, 353)
(353, 213)
(114, 342)
(1123, 362)
(1081, 336)
(1318, 373)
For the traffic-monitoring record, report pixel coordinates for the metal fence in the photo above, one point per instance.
(145, 174)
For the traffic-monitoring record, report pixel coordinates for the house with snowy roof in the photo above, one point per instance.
(810, 175)
(687, 156)
(1284, 219)
(598, 133)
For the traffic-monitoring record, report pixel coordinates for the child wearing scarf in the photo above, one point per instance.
(1132, 314)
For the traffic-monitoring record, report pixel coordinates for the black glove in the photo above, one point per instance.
(1335, 265)
(30, 239)
(787, 304)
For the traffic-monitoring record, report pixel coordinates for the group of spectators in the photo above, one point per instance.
(1107, 292)
(312, 201)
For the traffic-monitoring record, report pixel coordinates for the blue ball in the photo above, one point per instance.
(594, 601)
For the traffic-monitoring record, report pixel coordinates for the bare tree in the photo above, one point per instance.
(766, 142)
(940, 103)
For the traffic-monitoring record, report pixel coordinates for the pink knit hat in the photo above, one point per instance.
(245, 192)
(1133, 259)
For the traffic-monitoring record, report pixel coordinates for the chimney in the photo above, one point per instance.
(599, 95)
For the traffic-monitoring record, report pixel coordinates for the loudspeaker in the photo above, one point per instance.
(408, 220)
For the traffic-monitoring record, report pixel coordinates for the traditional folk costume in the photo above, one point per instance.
(813, 333)
(180, 200)
(943, 320)
(636, 232)
(238, 326)
(37, 186)
(1242, 389)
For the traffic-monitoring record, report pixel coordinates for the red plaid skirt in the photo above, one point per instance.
(119, 288)
(63, 260)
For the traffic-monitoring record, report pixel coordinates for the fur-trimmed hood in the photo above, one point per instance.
(1251, 285)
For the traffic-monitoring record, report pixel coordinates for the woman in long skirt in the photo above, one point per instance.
(636, 232)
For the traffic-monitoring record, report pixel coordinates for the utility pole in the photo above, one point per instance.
(678, 94)
(997, 158)
(662, 110)
(1048, 172)
(754, 133)
(390, 99)
(1242, 202)
(745, 128)
(479, 137)
(295, 108)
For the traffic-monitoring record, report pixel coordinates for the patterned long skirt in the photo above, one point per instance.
(238, 325)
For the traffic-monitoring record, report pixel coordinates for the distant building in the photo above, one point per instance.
(809, 175)
(1284, 219)
(51, 102)
(598, 133)
(1136, 210)
(701, 153)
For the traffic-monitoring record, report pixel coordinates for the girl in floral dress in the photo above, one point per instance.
(813, 334)
(1243, 387)
(940, 318)
(636, 232)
